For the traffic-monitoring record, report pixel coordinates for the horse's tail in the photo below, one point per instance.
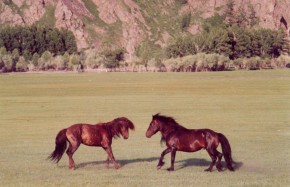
(226, 148)
(60, 146)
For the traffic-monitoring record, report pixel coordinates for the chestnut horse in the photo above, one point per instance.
(179, 138)
(92, 135)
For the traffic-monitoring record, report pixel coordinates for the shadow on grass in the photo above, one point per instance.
(203, 162)
(182, 163)
(121, 162)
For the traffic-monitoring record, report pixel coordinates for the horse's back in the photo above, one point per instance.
(85, 133)
(79, 128)
(195, 133)
(92, 135)
(75, 130)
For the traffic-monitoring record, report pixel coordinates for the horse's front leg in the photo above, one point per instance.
(173, 153)
(161, 163)
(107, 162)
(111, 157)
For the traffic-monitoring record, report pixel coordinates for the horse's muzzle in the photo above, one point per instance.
(125, 137)
(148, 135)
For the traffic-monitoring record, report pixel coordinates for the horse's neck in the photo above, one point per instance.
(166, 130)
(114, 129)
(110, 128)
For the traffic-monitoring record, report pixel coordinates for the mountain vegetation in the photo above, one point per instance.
(178, 38)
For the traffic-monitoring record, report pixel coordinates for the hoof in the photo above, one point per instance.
(219, 168)
(117, 166)
(107, 164)
(208, 170)
(160, 165)
(232, 169)
(170, 169)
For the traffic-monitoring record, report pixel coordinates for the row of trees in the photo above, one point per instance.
(233, 42)
(113, 61)
(215, 62)
(91, 59)
(30, 40)
(13, 61)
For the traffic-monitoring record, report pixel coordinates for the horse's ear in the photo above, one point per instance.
(156, 115)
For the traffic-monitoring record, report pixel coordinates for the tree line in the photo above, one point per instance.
(110, 60)
(22, 45)
(30, 40)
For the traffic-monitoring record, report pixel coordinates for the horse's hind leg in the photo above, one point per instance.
(219, 163)
(213, 157)
(107, 162)
(73, 146)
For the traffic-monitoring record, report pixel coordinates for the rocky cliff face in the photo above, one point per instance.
(272, 13)
(127, 23)
(129, 14)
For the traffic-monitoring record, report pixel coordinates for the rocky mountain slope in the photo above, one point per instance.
(127, 23)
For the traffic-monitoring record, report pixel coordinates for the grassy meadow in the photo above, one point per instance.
(251, 108)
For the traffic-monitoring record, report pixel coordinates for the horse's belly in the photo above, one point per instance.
(188, 145)
(91, 140)
(91, 143)
(190, 148)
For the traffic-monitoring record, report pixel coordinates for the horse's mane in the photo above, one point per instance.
(114, 127)
(169, 122)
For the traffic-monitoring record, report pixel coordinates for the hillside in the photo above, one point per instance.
(127, 23)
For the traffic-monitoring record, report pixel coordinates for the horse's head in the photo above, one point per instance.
(124, 126)
(154, 127)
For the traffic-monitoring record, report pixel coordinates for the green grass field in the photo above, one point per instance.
(252, 108)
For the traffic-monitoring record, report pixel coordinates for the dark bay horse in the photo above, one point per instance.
(92, 135)
(179, 138)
